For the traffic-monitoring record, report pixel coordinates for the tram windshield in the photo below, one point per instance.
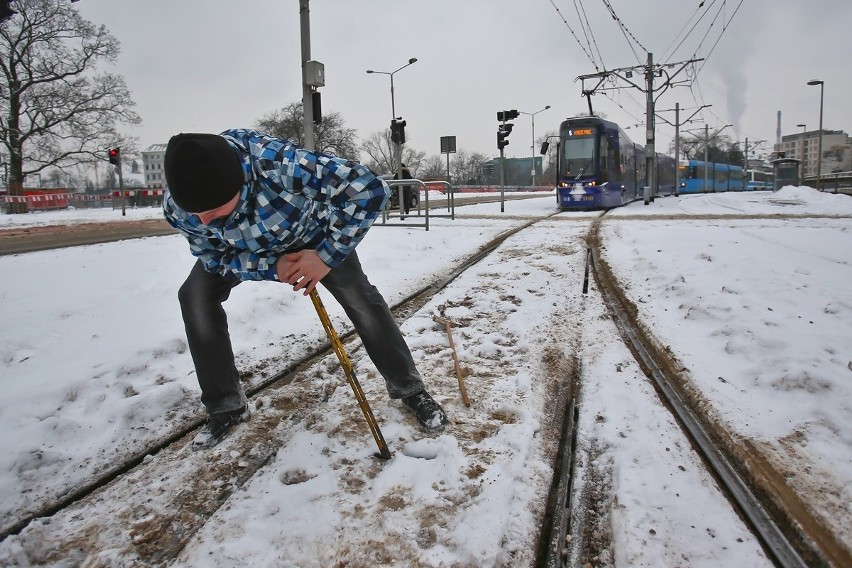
(578, 155)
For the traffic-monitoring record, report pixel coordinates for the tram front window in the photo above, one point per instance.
(578, 155)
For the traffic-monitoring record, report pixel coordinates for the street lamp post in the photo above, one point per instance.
(532, 115)
(819, 144)
(804, 128)
(391, 74)
(397, 159)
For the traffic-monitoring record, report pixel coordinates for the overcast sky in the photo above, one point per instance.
(209, 65)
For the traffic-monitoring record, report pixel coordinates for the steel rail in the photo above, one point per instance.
(68, 498)
(771, 537)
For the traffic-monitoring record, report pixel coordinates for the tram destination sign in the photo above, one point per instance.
(580, 132)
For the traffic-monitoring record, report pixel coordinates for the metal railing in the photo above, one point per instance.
(836, 182)
(424, 211)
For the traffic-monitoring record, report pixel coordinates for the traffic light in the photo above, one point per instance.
(6, 11)
(114, 156)
(503, 132)
(505, 129)
(398, 131)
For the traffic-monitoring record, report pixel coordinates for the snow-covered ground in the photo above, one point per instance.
(95, 367)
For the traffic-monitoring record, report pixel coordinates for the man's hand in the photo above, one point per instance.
(303, 270)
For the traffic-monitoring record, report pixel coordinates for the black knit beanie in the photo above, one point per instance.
(203, 171)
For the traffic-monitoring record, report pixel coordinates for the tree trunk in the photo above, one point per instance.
(16, 189)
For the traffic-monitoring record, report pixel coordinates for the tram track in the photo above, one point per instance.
(787, 533)
(257, 449)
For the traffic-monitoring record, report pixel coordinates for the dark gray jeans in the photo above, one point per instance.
(201, 298)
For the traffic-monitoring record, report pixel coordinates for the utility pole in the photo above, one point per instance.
(626, 74)
(307, 91)
(706, 149)
(677, 149)
(754, 145)
(677, 124)
(650, 153)
(707, 139)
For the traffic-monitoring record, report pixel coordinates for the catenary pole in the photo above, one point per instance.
(706, 148)
(677, 150)
(650, 152)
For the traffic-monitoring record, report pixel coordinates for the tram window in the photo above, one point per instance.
(578, 156)
(604, 154)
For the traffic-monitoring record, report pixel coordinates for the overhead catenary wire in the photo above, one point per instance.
(670, 54)
(711, 12)
(587, 26)
(709, 27)
(693, 74)
(592, 59)
(624, 31)
(724, 29)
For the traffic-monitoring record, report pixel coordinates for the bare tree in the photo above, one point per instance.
(330, 136)
(721, 148)
(379, 150)
(55, 111)
(550, 159)
(466, 168)
(434, 167)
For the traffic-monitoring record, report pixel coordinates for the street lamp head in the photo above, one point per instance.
(412, 60)
(547, 107)
(370, 71)
(802, 125)
(815, 82)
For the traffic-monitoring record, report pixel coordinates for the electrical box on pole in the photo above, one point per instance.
(314, 74)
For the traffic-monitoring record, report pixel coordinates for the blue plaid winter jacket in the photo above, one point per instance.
(293, 199)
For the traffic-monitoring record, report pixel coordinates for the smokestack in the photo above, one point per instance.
(778, 130)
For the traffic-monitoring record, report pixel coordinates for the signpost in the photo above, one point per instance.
(448, 146)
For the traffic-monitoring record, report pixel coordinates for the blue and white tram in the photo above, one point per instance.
(599, 166)
(709, 177)
(758, 180)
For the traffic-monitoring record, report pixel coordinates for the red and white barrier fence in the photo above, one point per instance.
(44, 200)
(140, 192)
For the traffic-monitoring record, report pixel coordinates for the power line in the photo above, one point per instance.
(694, 84)
(589, 27)
(692, 29)
(624, 31)
(724, 29)
(555, 7)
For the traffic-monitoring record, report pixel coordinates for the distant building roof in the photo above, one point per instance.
(155, 148)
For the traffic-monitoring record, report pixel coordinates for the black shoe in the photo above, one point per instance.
(218, 425)
(429, 413)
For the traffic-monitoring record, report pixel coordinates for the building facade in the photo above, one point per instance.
(836, 151)
(152, 165)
